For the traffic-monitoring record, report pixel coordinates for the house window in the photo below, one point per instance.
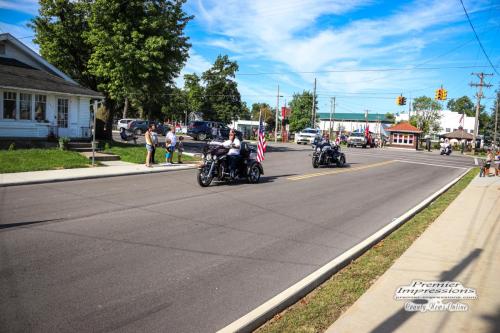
(25, 106)
(62, 113)
(410, 139)
(9, 105)
(448, 130)
(394, 138)
(40, 107)
(400, 138)
(405, 139)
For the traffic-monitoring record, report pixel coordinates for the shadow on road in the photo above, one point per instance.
(22, 224)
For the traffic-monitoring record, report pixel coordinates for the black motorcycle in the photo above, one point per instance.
(327, 155)
(215, 165)
(128, 135)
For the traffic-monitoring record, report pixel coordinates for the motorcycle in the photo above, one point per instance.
(127, 135)
(445, 150)
(325, 154)
(215, 164)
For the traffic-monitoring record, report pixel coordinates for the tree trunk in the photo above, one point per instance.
(125, 108)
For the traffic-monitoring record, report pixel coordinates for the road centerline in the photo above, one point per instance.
(326, 173)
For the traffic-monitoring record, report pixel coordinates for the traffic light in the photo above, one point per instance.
(398, 100)
(403, 100)
(438, 94)
(444, 94)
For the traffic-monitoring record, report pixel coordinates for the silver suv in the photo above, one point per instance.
(123, 124)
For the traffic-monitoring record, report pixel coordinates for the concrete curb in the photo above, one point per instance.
(117, 174)
(286, 298)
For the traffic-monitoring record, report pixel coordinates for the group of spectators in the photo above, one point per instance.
(492, 160)
(172, 143)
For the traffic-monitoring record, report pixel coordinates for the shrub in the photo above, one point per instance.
(63, 143)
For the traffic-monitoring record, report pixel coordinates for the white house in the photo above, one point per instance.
(449, 121)
(37, 99)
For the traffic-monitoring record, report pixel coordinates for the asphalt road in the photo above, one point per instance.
(157, 253)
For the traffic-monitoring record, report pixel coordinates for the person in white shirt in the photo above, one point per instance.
(173, 142)
(234, 152)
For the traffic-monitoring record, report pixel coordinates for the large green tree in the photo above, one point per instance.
(139, 46)
(59, 31)
(194, 92)
(462, 105)
(427, 114)
(222, 100)
(126, 49)
(301, 106)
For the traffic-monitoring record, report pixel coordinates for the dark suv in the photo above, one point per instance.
(202, 130)
(141, 126)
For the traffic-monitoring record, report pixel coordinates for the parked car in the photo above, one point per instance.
(123, 124)
(202, 130)
(138, 126)
(307, 136)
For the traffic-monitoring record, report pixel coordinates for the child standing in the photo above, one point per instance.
(168, 151)
(180, 149)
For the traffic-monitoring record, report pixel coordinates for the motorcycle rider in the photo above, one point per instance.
(234, 152)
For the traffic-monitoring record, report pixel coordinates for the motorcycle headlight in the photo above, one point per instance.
(318, 149)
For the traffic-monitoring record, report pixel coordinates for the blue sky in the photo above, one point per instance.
(350, 47)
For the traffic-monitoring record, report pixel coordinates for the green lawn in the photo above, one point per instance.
(318, 310)
(137, 153)
(21, 160)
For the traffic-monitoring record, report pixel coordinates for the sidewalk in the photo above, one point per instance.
(462, 245)
(109, 169)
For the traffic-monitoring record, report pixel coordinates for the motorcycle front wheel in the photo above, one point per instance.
(204, 178)
(341, 161)
(315, 162)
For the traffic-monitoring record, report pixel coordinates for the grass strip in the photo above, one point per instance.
(22, 160)
(320, 308)
(137, 153)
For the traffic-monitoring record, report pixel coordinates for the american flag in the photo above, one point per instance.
(261, 147)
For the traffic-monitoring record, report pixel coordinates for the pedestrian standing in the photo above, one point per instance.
(173, 143)
(168, 151)
(489, 160)
(154, 139)
(149, 145)
(180, 149)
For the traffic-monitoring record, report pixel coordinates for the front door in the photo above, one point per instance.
(63, 117)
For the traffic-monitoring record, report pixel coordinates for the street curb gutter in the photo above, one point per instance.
(286, 298)
(57, 180)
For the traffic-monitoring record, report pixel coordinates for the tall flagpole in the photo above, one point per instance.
(276, 122)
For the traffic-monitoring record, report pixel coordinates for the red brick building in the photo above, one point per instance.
(404, 135)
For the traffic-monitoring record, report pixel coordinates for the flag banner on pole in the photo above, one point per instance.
(261, 147)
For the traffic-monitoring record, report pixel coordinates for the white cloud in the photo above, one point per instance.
(22, 32)
(25, 6)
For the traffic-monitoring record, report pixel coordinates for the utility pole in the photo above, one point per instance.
(313, 111)
(332, 119)
(479, 95)
(277, 110)
(496, 121)
(93, 134)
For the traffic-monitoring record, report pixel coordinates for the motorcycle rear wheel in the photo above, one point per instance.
(254, 174)
(204, 179)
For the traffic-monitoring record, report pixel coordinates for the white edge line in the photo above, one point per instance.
(266, 311)
(432, 164)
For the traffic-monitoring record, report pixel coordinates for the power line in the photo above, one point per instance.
(477, 37)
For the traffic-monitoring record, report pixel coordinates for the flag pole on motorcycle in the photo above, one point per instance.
(261, 146)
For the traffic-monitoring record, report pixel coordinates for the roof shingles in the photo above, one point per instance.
(404, 127)
(13, 75)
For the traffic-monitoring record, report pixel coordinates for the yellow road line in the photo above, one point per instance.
(331, 172)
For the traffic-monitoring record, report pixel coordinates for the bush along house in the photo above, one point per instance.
(37, 100)
(404, 135)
